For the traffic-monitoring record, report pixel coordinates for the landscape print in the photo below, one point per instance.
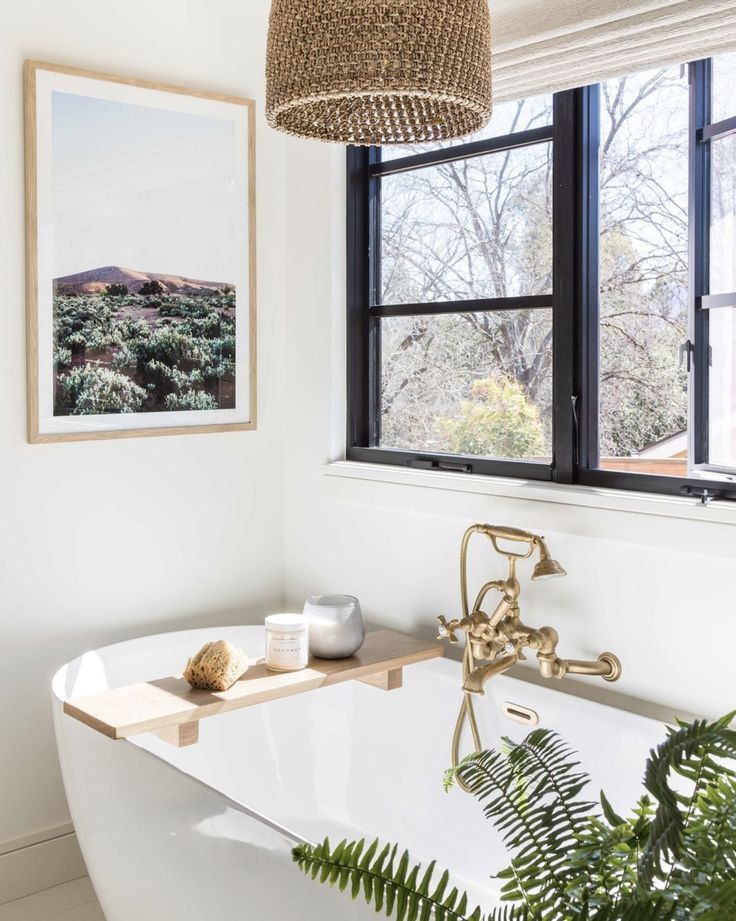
(133, 342)
(142, 254)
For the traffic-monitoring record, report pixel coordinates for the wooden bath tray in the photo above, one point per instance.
(172, 709)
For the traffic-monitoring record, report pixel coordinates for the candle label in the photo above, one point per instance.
(287, 651)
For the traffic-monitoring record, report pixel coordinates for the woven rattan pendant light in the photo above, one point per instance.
(378, 71)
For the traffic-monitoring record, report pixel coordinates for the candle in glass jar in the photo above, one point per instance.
(336, 627)
(287, 642)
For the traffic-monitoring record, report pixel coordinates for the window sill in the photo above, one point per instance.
(717, 512)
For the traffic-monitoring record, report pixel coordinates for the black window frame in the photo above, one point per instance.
(574, 301)
(703, 132)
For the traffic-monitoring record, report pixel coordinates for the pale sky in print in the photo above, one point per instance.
(146, 189)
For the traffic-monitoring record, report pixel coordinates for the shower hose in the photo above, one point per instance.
(467, 708)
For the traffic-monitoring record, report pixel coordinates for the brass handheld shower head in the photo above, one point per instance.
(546, 567)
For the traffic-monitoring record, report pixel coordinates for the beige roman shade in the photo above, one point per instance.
(549, 45)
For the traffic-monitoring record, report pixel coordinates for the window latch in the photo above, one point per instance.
(706, 496)
(426, 463)
(686, 352)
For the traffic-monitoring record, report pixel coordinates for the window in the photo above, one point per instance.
(643, 274)
(556, 297)
(714, 270)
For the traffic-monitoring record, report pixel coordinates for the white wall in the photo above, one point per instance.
(657, 591)
(107, 540)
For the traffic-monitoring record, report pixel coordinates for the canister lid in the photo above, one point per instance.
(286, 622)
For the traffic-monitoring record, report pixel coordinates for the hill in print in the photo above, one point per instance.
(95, 281)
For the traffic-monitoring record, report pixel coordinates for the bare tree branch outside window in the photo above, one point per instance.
(481, 383)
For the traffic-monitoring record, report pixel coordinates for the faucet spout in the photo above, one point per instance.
(475, 682)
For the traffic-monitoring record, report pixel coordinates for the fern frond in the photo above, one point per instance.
(673, 860)
(390, 886)
(655, 910)
(510, 913)
(448, 778)
(605, 863)
(532, 797)
(612, 817)
(720, 901)
(692, 751)
(707, 858)
(709, 836)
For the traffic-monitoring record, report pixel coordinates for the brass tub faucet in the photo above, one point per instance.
(500, 639)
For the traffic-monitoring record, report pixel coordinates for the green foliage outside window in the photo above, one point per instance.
(497, 421)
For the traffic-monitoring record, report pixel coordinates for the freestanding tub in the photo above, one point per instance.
(206, 831)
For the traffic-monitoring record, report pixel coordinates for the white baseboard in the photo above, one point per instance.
(39, 864)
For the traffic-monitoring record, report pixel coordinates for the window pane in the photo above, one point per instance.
(724, 87)
(643, 272)
(507, 118)
(723, 216)
(469, 229)
(722, 388)
(478, 384)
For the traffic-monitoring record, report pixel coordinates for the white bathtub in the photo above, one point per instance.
(206, 831)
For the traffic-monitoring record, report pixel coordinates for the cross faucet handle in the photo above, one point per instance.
(447, 629)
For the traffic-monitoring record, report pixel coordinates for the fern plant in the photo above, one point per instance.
(673, 858)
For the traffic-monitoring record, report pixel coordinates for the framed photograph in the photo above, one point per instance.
(140, 249)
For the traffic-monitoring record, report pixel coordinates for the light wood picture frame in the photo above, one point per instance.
(140, 257)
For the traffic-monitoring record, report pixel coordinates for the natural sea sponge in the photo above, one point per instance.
(216, 667)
